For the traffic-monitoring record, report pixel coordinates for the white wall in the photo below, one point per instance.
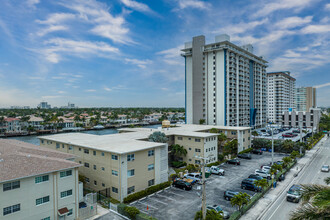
(189, 96)
(220, 91)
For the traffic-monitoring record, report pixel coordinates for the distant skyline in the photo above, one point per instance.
(126, 53)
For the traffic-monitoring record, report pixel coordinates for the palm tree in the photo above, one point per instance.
(286, 161)
(316, 203)
(210, 215)
(177, 151)
(327, 180)
(239, 200)
(261, 183)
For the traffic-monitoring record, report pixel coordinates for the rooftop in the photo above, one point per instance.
(19, 160)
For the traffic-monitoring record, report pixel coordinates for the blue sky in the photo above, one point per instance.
(124, 53)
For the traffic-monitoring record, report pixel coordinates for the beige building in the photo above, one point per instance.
(37, 183)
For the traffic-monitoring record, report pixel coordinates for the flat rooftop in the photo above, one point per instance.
(133, 139)
(20, 159)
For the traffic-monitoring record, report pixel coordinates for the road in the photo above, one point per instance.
(281, 209)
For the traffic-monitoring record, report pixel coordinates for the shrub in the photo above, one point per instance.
(178, 164)
(213, 164)
(132, 211)
(192, 168)
(221, 157)
(173, 176)
(246, 151)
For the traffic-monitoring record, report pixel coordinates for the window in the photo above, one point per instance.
(197, 150)
(197, 140)
(114, 157)
(57, 145)
(42, 141)
(11, 209)
(179, 138)
(70, 147)
(130, 157)
(130, 189)
(130, 173)
(95, 182)
(80, 161)
(103, 168)
(94, 166)
(87, 180)
(86, 164)
(233, 132)
(79, 149)
(65, 173)
(86, 151)
(197, 161)
(103, 184)
(102, 154)
(151, 153)
(189, 139)
(94, 152)
(114, 172)
(62, 145)
(114, 189)
(151, 167)
(243, 139)
(12, 185)
(66, 193)
(151, 182)
(47, 218)
(42, 200)
(189, 148)
(41, 179)
(70, 212)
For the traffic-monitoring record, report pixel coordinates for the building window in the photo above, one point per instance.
(151, 167)
(42, 141)
(197, 150)
(86, 165)
(114, 189)
(197, 161)
(130, 189)
(70, 212)
(189, 139)
(12, 185)
(86, 151)
(41, 179)
(180, 138)
(102, 154)
(66, 193)
(87, 179)
(47, 218)
(114, 172)
(42, 200)
(197, 140)
(151, 182)
(95, 182)
(79, 149)
(233, 132)
(62, 145)
(189, 148)
(130, 157)
(103, 185)
(94, 166)
(243, 139)
(94, 152)
(151, 153)
(114, 157)
(130, 172)
(11, 209)
(65, 173)
(103, 168)
(57, 145)
(70, 147)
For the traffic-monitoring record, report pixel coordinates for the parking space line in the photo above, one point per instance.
(149, 206)
(175, 194)
(151, 198)
(178, 190)
(169, 198)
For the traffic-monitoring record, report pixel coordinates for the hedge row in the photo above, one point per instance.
(146, 192)
(140, 216)
(246, 151)
(178, 164)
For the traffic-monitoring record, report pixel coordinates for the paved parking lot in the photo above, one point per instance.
(174, 203)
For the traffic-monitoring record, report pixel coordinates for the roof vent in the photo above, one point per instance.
(1, 159)
(28, 155)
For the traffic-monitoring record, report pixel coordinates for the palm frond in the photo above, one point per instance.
(311, 190)
(309, 212)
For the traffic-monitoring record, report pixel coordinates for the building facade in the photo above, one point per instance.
(281, 95)
(305, 98)
(37, 183)
(310, 119)
(225, 84)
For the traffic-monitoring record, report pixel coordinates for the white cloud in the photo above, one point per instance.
(90, 90)
(315, 29)
(172, 56)
(241, 27)
(57, 18)
(61, 92)
(107, 89)
(322, 85)
(327, 6)
(140, 63)
(292, 22)
(137, 6)
(198, 4)
(32, 3)
(50, 29)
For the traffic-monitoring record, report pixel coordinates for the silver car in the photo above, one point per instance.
(325, 168)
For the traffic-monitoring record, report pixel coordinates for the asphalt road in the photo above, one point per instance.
(312, 174)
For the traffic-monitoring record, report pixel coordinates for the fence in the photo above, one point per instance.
(91, 206)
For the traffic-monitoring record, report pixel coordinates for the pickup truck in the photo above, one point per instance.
(217, 170)
(196, 177)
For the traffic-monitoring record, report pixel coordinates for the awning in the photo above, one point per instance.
(63, 211)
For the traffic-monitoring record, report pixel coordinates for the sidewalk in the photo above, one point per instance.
(263, 204)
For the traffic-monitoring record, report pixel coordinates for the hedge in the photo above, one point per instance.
(246, 150)
(214, 164)
(178, 164)
(140, 216)
(146, 192)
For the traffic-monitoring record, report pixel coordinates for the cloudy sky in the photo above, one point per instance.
(127, 52)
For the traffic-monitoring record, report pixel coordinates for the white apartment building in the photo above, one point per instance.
(309, 119)
(305, 98)
(225, 84)
(37, 183)
(281, 93)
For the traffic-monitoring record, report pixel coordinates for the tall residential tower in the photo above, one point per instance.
(281, 89)
(225, 84)
(305, 98)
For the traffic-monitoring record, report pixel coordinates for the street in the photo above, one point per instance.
(281, 209)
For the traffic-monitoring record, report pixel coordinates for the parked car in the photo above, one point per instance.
(182, 184)
(296, 131)
(281, 178)
(255, 176)
(279, 162)
(266, 169)
(234, 161)
(257, 151)
(217, 208)
(228, 194)
(244, 156)
(289, 135)
(249, 184)
(294, 194)
(217, 170)
(193, 176)
(325, 168)
(262, 174)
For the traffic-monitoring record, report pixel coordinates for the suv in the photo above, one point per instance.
(262, 174)
(255, 176)
(244, 156)
(257, 151)
(294, 194)
(234, 161)
(217, 170)
(217, 208)
(249, 184)
(182, 184)
(228, 195)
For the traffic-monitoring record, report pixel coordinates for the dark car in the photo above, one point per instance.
(182, 184)
(228, 194)
(244, 156)
(234, 161)
(249, 184)
(296, 131)
(257, 151)
(255, 176)
(290, 135)
(279, 162)
(294, 194)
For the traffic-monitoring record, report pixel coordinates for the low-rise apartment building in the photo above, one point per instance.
(37, 183)
(310, 119)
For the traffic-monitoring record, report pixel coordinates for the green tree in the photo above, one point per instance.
(255, 133)
(288, 146)
(201, 121)
(231, 147)
(221, 138)
(132, 211)
(286, 161)
(274, 168)
(178, 151)
(294, 154)
(158, 136)
(239, 200)
(210, 215)
(327, 180)
(261, 183)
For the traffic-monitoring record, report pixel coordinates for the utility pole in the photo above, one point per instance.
(300, 151)
(270, 123)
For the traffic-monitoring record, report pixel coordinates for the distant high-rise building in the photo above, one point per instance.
(305, 98)
(281, 89)
(225, 84)
(71, 105)
(44, 105)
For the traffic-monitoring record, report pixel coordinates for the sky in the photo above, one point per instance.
(126, 53)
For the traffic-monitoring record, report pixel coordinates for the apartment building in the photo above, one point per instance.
(305, 98)
(44, 105)
(281, 94)
(37, 183)
(120, 162)
(225, 84)
(310, 119)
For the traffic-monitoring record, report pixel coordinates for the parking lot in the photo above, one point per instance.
(174, 203)
(279, 136)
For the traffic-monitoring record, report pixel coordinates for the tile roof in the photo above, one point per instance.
(19, 159)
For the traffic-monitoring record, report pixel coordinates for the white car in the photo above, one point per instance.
(262, 174)
(193, 176)
(325, 168)
(217, 170)
(266, 169)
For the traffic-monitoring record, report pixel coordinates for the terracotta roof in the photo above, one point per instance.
(63, 211)
(19, 159)
(11, 119)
